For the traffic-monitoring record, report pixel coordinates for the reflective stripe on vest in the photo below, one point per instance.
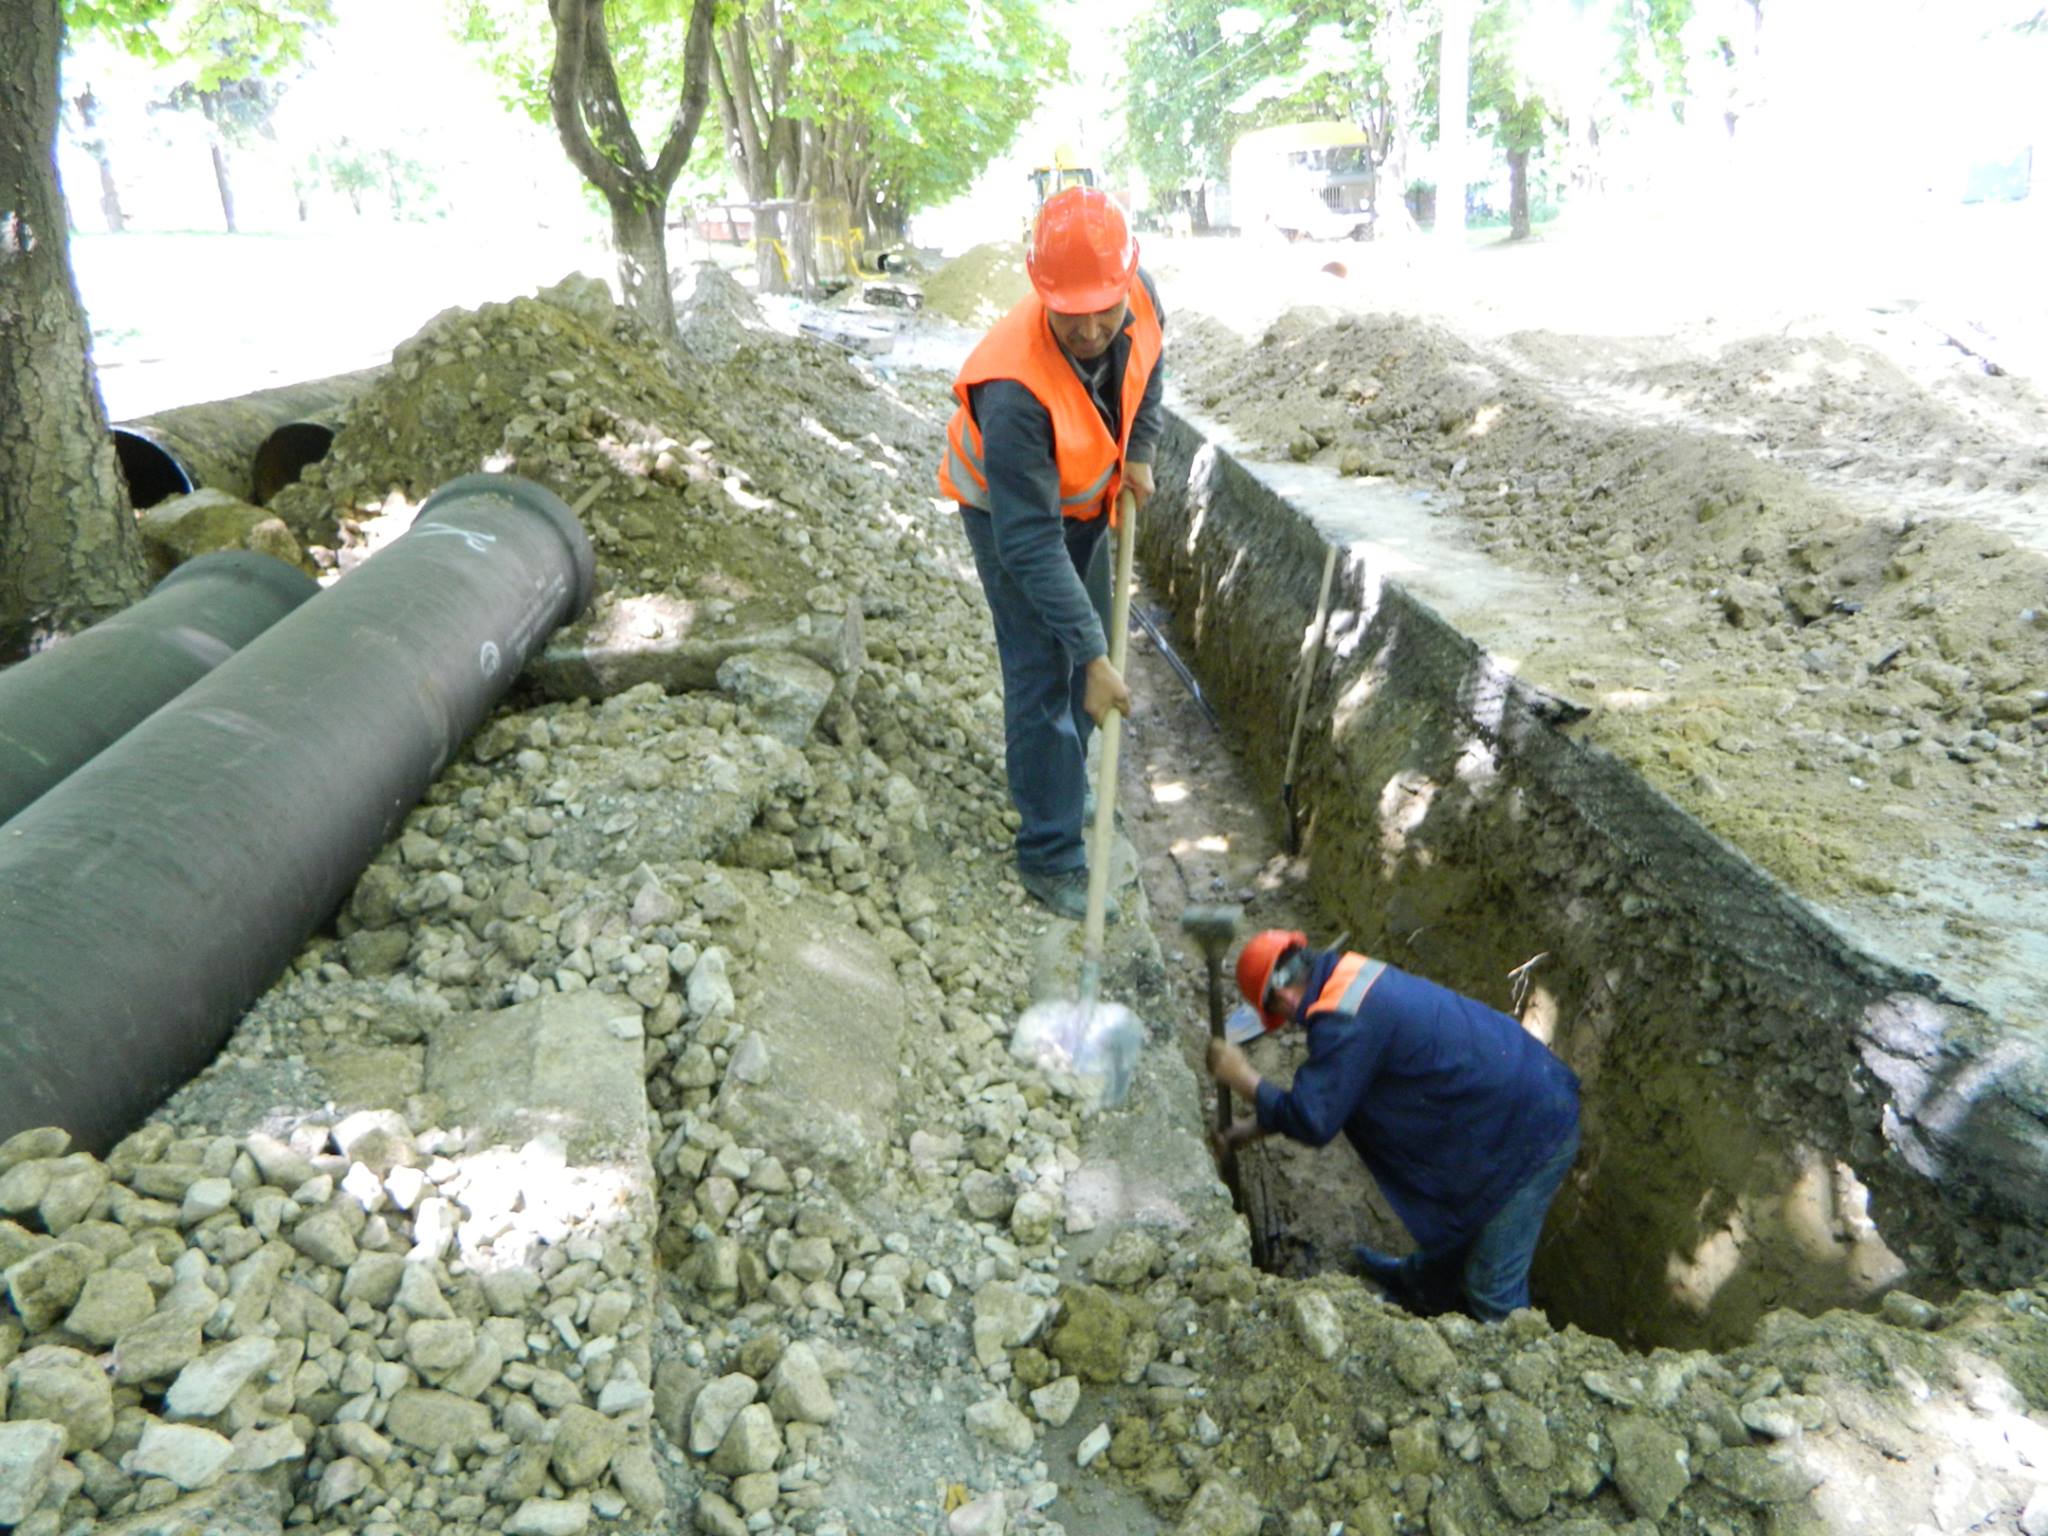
(1347, 986)
(1020, 347)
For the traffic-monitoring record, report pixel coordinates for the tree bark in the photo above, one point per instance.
(1454, 89)
(88, 106)
(220, 180)
(596, 131)
(1518, 194)
(69, 553)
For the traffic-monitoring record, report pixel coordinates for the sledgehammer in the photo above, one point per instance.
(1213, 928)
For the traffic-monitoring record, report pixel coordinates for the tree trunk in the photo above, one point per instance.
(1454, 91)
(640, 242)
(110, 193)
(591, 119)
(68, 548)
(1518, 194)
(220, 180)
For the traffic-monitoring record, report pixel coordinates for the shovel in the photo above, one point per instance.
(1308, 676)
(1096, 1041)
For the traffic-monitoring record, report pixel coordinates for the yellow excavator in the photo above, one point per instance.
(1065, 169)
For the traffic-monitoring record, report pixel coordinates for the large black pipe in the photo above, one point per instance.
(251, 446)
(67, 705)
(147, 900)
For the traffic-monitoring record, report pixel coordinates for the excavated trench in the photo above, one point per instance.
(1775, 1113)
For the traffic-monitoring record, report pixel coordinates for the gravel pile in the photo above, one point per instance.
(196, 1307)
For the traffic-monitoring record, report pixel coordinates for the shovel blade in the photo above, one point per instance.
(1089, 1053)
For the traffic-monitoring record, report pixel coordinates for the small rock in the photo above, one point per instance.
(1316, 1323)
(1650, 1466)
(1782, 1418)
(1421, 1357)
(1031, 1219)
(258, 1450)
(324, 1237)
(1217, 1509)
(1055, 1403)
(345, 1479)
(1902, 1309)
(47, 1284)
(436, 1346)
(206, 1386)
(433, 1421)
(988, 1515)
(717, 1405)
(997, 1419)
(1092, 1445)
(784, 692)
(29, 1452)
(715, 1517)
(186, 1454)
(65, 1388)
(1127, 1261)
(357, 1439)
(585, 1443)
(797, 1388)
(549, 1517)
(1005, 1318)
(113, 1301)
(755, 1492)
(637, 1477)
(709, 991)
(987, 1196)
(752, 1444)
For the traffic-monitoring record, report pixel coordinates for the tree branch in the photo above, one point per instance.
(565, 97)
(696, 95)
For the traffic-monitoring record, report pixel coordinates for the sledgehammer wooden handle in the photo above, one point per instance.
(1112, 737)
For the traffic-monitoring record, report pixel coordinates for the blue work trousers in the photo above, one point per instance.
(1489, 1276)
(1045, 730)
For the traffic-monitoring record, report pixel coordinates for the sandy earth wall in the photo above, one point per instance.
(1747, 1070)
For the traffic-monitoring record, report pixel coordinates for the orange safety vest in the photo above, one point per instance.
(1345, 991)
(1021, 346)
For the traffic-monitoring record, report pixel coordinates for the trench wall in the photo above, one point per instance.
(1747, 1069)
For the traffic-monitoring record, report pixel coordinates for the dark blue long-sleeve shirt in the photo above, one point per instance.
(1024, 482)
(1450, 1103)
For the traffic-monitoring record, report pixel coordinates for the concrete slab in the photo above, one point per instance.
(567, 1065)
(829, 1015)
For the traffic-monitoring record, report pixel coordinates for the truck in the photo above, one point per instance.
(1303, 181)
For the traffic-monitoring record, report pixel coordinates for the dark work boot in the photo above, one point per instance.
(1396, 1276)
(1066, 893)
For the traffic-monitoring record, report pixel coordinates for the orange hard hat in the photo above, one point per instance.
(1082, 255)
(1255, 965)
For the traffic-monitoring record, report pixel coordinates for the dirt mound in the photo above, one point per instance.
(1857, 687)
(981, 286)
(696, 468)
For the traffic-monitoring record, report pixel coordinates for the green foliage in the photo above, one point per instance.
(219, 41)
(1202, 72)
(931, 90)
(516, 40)
(1507, 97)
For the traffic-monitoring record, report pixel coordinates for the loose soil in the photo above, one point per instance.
(1842, 686)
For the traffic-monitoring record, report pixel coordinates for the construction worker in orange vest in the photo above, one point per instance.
(1467, 1123)
(1058, 412)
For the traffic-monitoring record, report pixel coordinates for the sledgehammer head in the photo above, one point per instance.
(1211, 927)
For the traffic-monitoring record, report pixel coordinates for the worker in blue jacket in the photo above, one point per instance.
(1467, 1123)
